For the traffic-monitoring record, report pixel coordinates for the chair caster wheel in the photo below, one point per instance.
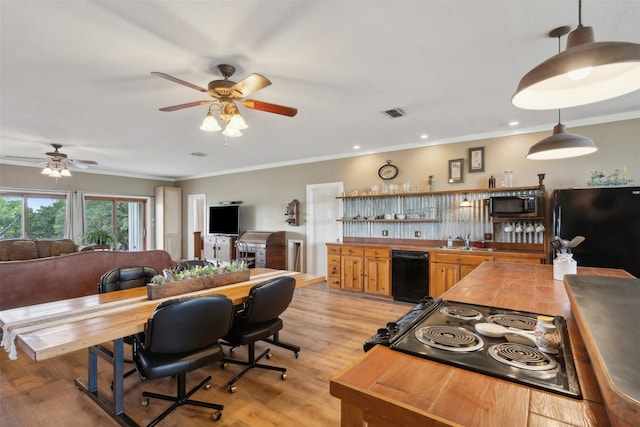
(145, 401)
(216, 416)
(223, 365)
(269, 356)
(232, 389)
(296, 355)
(207, 386)
(283, 376)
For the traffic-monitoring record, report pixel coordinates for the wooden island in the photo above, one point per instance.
(389, 388)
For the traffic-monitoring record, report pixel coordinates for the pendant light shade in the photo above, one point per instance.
(561, 145)
(584, 73)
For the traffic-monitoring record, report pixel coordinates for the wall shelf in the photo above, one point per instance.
(390, 220)
(437, 193)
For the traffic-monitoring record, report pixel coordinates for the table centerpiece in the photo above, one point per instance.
(171, 283)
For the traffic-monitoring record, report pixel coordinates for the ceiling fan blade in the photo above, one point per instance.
(190, 104)
(25, 159)
(177, 80)
(80, 163)
(249, 85)
(270, 108)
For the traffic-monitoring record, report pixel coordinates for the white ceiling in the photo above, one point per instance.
(77, 73)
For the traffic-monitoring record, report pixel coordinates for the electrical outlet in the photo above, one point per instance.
(417, 234)
(385, 233)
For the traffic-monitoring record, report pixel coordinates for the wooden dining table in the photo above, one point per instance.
(56, 328)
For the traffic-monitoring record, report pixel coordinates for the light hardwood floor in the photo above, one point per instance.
(329, 325)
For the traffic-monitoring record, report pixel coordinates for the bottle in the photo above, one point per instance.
(508, 178)
(492, 182)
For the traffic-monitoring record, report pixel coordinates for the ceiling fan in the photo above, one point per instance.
(226, 92)
(56, 159)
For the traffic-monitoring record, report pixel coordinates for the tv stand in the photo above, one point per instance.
(264, 249)
(220, 247)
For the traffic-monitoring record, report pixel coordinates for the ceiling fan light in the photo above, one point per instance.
(65, 172)
(231, 132)
(210, 124)
(237, 122)
(55, 173)
(561, 145)
(46, 171)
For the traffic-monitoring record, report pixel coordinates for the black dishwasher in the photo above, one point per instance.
(409, 275)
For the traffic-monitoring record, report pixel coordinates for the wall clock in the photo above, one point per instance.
(388, 171)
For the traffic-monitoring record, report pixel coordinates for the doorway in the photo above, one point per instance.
(323, 211)
(196, 214)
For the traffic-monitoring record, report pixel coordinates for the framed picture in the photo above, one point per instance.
(476, 159)
(456, 168)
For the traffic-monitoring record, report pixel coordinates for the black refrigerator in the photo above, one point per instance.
(608, 218)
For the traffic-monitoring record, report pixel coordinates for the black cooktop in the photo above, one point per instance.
(445, 332)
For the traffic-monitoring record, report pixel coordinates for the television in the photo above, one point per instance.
(224, 219)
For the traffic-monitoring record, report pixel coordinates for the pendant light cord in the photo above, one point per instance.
(579, 13)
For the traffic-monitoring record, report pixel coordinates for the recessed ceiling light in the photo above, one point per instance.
(424, 136)
(356, 147)
(514, 123)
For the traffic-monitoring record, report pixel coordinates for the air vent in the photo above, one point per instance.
(394, 113)
(199, 154)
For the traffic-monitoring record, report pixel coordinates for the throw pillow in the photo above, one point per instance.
(25, 249)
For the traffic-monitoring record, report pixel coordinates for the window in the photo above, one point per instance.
(32, 216)
(123, 219)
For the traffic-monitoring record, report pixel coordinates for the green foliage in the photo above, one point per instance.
(169, 275)
(98, 236)
(10, 218)
(47, 222)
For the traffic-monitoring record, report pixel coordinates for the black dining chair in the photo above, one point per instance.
(180, 336)
(258, 320)
(126, 277)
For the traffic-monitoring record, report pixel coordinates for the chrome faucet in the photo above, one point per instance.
(466, 240)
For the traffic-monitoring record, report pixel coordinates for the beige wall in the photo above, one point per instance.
(266, 193)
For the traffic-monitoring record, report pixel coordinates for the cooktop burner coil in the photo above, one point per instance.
(461, 312)
(522, 356)
(517, 321)
(449, 338)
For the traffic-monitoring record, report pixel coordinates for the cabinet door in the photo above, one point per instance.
(443, 277)
(377, 273)
(351, 272)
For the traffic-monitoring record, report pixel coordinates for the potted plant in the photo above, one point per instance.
(99, 237)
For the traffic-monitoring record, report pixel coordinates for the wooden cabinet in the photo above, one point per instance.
(263, 249)
(519, 258)
(447, 269)
(220, 248)
(377, 271)
(351, 268)
(359, 268)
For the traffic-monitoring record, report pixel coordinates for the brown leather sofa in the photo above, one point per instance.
(39, 280)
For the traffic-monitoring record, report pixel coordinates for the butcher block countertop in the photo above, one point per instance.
(388, 388)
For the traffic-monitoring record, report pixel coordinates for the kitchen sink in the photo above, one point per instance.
(471, 249)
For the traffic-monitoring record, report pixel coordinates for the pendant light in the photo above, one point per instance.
(561, 144)
(584, 73)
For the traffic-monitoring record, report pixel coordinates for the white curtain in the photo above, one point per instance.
(74, 218)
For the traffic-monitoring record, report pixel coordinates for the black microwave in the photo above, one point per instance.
(515, 206)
